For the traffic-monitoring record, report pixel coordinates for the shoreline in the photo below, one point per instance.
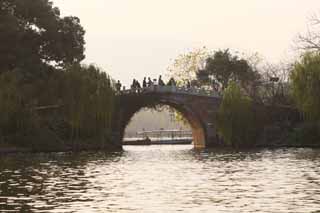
(17, 150)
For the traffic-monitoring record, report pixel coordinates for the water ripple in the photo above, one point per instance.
(162, 179)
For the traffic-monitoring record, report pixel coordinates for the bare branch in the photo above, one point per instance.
(311, 39)
(314, 19)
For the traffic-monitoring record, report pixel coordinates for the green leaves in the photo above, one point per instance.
(235, 117)
(88, 100)
(40, 55)
(33, 36)
(185, 66)
(85, 95)
(306, 85)
(15, 113)
(225, 67)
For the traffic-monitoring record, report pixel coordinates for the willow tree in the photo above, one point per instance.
(305, 79)
(235, 120)
(15, 111)
(88, 102)
(9, 100)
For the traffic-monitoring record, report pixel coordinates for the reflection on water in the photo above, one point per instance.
(162, 179)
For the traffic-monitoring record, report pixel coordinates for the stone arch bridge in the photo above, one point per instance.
(196, 105)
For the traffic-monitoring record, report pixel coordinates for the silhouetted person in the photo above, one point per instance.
(144, 83)
(160, 81)
(188, 84)
(171, 82)
(149, 82)
(138, 86)
(133, 85)
(147, 139)
(118, 86)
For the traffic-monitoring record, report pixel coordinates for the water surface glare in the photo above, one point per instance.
(163, 178)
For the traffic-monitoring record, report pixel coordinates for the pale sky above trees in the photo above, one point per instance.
(137, 38)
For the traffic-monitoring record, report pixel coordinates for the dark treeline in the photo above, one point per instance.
(241, 121)
(252, 93)
(47, 99)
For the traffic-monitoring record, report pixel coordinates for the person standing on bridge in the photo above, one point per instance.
(133, 84)
(138, 86)
(174, 83)
(171, 82)
(188, 84)
(149, 82)
(155, 82)
(118, 86)
(144, 83)
(160, 81)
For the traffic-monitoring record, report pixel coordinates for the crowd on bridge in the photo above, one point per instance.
(147, 83)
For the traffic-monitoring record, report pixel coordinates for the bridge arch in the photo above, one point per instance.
(130, 104)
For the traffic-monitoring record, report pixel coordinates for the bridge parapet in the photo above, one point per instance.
(174, 90)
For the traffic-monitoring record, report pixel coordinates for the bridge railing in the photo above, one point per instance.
(172, 89)
(165, 133)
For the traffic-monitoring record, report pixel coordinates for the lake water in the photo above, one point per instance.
(162, 178)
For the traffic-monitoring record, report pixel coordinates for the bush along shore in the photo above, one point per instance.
(77, 115)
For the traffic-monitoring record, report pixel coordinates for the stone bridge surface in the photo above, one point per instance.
(197, 106)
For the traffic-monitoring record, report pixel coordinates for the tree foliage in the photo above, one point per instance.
(84, 96)
(225, 67)
(186, 66)
(10, 102)
(305, 79)
(201, 67)
(16, 115)
(88, 102)
(235, 120)
(40, 54)
(34, 36)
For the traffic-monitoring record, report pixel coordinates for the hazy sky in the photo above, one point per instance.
(136, 38)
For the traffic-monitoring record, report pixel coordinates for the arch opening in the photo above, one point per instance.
(193, 122)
